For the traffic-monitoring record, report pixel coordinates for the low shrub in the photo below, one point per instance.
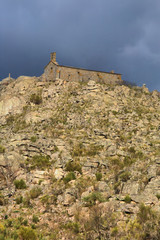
(98, 176)
(127, 199)
(2, 200)
(35, 219)
(73, 226)
(116, 163)
(19, 200)
(114, 231)
(158, 196)
(36, 98)
(20, 184)
(45, 199)
(2, 228)
(81, 150)
(10, 120)
(27, 233)
(128, 160)
(116, 187)
(132, 150)
(91, 199)
(35, 192)
(125, 176)
(73, 166)
(33, 139)
(70, 176)
(2, 149)
(26, 200)
(40, 162)
(145, 213)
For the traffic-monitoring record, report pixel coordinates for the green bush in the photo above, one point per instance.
(91, 199)
(125, 176)
(20, 184)
(132, 150)
(25, 222)
(2, 200)
(98, 176)
(2, 230)
(70, 176)
(36, 98)
(145, 213)
(116, 163)
(10, 120)
(127, 199)
(2, 149)
(35, 219)
(73, 226)
(27, 233)
(128, 160)
(39, 161)
(114, 231)
(35, 192)
(19, 200)
(33, 139)
(73, 166)
(158, 196)
(45, 199)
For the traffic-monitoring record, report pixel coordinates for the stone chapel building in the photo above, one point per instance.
(53, 71)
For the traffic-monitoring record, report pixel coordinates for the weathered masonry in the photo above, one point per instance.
(53, 71)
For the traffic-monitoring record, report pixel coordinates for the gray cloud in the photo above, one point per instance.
(106, 34)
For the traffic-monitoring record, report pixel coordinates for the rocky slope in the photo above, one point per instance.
(78, 160)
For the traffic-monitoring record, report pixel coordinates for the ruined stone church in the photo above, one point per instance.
(54, 71)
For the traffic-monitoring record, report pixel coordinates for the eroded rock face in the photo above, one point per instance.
(84, 146)
(10, 106)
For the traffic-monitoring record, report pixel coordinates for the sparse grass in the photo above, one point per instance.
(81, 150)
(83, 183)
(39, 161)
(19, 124)
(2, 149)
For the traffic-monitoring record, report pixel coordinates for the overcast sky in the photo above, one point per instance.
(120, 35)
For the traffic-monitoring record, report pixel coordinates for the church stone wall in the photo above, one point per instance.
(76, 74)
(50, 71)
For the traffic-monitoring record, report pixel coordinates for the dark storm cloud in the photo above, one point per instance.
(107, 34)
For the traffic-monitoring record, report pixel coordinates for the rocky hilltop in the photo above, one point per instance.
(78, 160)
